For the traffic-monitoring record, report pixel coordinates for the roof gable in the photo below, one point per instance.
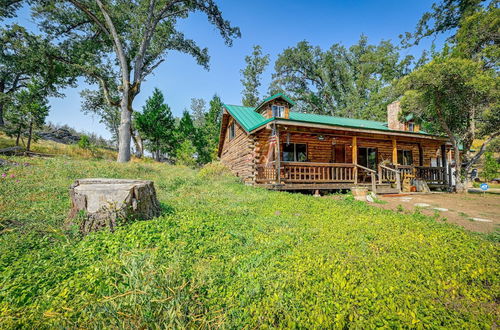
(274, 97)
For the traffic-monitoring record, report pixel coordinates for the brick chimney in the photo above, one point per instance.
(393, 111)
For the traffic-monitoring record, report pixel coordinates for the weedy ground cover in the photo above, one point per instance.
(227, 255)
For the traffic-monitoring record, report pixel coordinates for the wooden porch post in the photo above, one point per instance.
(278, 154)
(355, 157)
(420, 155)
(394, 152)
(443, 163)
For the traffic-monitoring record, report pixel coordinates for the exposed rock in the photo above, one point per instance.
(422, 205)
(60, 135)
(481, 220)
(101, 203)
(11, 151)
(359, 193)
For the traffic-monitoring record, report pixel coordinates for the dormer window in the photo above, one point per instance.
(411, 127)
(278, 111)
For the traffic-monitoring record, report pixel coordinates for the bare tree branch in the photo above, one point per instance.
(93, 17)
(481, 151)
(118, 45)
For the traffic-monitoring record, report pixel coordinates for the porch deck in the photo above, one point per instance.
(331, 176)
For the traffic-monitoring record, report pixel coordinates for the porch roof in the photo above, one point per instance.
(250, 120)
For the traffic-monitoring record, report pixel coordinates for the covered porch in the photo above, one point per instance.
(325, 160)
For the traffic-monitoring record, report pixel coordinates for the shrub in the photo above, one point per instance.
(84, 142)
(214, 170)
(491, 167)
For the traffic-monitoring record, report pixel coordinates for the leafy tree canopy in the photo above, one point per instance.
(351, 82)
(445, 16)
(256, 63)
(457, 97)
(123, 41)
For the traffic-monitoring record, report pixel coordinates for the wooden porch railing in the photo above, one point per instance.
(432, 175)
(389, 175)
(317, 172)
(372, 173)
(298, 172)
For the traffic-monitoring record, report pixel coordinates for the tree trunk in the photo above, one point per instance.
(2, 90)
(30, 134)
(105, 203)
(18, 135)
(125, 127)
(136, 137)
(2, 123)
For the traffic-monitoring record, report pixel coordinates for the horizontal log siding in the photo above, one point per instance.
(238, 153)
(321, 150)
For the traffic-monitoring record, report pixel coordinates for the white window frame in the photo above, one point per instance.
(278, 111)
(411, 127)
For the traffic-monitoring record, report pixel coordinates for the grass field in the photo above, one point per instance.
(227, 255)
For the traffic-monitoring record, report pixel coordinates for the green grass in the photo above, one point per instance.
(228, 255)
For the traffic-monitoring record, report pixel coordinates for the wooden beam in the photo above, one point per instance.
(278, 154)
(394, 152)
(290, 122)
(354, 149)
(355, 157)
(420, 155)
(443, 163)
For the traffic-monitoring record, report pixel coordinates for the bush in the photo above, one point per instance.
(214, 170)
(84, 142)
(491, 167)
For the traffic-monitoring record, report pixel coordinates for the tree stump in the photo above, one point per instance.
(105, 203)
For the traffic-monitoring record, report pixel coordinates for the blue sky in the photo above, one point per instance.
(275, 25)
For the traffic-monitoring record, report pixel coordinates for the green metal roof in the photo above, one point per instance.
(247, 116)
(249, 119)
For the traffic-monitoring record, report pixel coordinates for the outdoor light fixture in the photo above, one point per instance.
(321, 137)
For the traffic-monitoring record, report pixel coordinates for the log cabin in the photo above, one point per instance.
(274, 147)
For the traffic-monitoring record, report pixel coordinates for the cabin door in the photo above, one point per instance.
(367, 157)
(339, 153)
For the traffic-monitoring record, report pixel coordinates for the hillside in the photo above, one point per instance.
(227, 255)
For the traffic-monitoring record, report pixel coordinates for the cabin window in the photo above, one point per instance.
(411, 127)
(405, 157)
(278, 111)
(231, 131)
(294, 152)
(367, 157)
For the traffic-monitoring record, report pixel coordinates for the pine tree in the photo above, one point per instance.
(157, 126)
(27, 112)
(186, 138)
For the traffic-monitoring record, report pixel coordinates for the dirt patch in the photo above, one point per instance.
(460, 209)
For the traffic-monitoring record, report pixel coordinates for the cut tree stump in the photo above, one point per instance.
(104, 203)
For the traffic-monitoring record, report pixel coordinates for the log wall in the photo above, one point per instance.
(320, 149)
(238, 153)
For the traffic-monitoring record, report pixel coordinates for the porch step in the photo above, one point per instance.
(386, 189)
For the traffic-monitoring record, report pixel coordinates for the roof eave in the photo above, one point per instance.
(346, 128)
